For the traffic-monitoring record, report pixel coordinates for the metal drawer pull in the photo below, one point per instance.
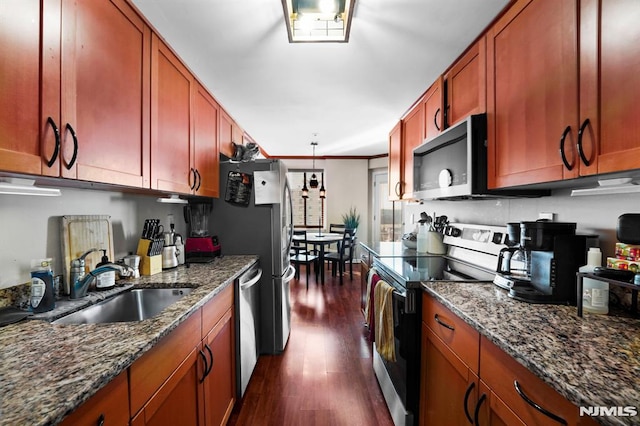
(444, 324)
(466, 401)
(536, 406)
(206, 346)
(75, 146)
(476, 413)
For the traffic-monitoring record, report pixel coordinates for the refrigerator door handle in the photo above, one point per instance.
(252, 281)
(289, 274)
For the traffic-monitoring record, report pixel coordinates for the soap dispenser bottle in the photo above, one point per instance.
(422, 244)
(106, 280)
(595, 293)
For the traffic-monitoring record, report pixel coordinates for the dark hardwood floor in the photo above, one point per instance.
(324, 376)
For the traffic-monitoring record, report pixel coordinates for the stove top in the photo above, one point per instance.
(472, 255)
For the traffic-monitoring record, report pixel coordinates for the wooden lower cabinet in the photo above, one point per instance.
(219, 385)
(178, 401)
(449, 388)
(499, 391)
(109, 406)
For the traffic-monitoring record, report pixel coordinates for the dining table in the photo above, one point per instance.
(321, 240)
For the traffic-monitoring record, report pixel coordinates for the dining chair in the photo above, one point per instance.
(344, 254)
(303, 255)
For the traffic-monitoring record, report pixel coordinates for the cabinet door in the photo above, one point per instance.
(207, 163)
(178, 401)
(493, 411)
(609, 85)
(434, 114)
(105, 93)
(395, 162)
(412, 136)
(449, 389)
(27, 138)
(467, 85)
(532, 82)
(219, 385)
(226, 134)
(171, 136)
(109, 406)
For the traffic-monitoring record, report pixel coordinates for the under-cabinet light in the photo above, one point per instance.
(18, 186)
(172, 199)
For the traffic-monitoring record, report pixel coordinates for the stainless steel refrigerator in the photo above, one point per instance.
(254, 216)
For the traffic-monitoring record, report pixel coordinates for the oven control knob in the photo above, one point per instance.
(445, 178)
(497, 238)
(453, 231)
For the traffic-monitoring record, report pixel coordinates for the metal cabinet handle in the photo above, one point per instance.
(193, 172)
(397, 189)
(466, 401)
(56, 150)
(74, 157)
(442, 323)
(199, 180)
(206, 346)
(476, 412)
(583, 157)
(206, 366)
(536, 406)
(562, 155)
(100, 421)
(435, 119)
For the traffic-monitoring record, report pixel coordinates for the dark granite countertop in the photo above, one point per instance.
(47, 370)
(592, 361)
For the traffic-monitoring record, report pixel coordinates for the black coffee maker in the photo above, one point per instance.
(554, 253)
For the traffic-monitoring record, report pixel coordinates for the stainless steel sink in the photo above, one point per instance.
(134, 305)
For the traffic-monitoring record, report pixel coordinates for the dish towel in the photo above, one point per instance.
(368, 297)
(369, 311)
(383, 308)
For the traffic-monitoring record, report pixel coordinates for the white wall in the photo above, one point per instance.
(30, 226)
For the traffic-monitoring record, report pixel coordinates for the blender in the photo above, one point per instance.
(200, 247)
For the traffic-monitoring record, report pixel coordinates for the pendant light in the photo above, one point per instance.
(313, 182)
(305, 190)
(323, 192)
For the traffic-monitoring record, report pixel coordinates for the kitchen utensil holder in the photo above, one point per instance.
(634, 290)
(149, 265)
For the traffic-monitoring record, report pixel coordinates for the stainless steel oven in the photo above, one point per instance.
(472, 255)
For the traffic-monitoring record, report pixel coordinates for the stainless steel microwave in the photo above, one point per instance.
(453, 164)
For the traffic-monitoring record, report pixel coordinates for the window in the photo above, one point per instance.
(307, 212)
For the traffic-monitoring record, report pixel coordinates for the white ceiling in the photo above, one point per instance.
(350, 94)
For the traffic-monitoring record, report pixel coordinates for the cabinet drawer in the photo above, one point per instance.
(501, 373)
(109, 406)
(216, 308)
(148, 373)
(463, 340)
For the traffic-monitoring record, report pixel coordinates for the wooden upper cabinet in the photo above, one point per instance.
(226, 134)
(395, 162)
(433, 108)
(105, 93)
(171, 137)
(207, 163)
(532, 82)
(413, 129)
(27, 141)
(609, 85)
(467, 85)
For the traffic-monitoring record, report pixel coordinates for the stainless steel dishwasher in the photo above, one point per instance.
(247, 314)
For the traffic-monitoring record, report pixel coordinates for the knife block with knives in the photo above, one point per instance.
(150, 247)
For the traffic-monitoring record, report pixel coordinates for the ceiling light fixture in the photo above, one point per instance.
(313, 182)
(18, 186)
(305, 190)
(318, 20)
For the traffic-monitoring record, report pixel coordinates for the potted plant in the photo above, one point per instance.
(351, 219)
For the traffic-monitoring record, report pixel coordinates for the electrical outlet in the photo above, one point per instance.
(547, 215)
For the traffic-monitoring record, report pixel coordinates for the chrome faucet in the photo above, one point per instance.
(80, 285)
